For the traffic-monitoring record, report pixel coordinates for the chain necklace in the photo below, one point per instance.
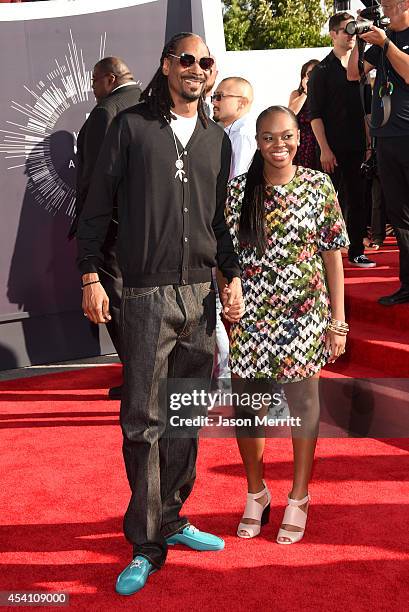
(274, 185)
(179, 162)
(267, 180)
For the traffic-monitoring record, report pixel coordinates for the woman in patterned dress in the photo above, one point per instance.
(288, 229)
(307, 151)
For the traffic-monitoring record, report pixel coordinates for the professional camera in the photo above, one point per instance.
(371, 15)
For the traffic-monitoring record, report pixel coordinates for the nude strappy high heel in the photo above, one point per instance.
(255, 511)
(294, 516)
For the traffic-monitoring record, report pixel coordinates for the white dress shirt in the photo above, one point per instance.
(242, 134)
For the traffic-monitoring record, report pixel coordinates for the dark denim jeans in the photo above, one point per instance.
(166, 332)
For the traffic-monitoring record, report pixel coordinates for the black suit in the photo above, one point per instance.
(89, 143)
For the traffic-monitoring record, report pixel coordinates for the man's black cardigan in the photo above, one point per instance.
(170, 231)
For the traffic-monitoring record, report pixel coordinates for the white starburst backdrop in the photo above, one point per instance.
(27, 141)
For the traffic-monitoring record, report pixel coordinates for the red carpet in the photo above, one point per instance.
(64, 491)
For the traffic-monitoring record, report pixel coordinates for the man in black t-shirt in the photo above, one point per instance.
(337, 119)
(390, 55)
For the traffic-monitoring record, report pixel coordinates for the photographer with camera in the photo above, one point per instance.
(337, 120)
(390, 123)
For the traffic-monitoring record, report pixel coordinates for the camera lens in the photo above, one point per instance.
(363, 26)
(351, 28)
(358, 27)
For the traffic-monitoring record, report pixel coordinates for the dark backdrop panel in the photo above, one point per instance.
(179, 17)
(44, 104)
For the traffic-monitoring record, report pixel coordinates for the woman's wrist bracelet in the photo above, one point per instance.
(336, 330)
(340, 323)
(89, 283)
(338, 327)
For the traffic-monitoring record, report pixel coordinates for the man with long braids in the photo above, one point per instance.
(167, 165)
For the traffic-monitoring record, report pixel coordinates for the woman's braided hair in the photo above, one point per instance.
(252, 229)
(157, 95)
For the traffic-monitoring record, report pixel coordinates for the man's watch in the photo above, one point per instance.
(386, 45)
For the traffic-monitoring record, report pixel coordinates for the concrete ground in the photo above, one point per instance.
(63, 366)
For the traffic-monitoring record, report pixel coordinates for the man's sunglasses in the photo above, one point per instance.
(186, 60)
(218, 96)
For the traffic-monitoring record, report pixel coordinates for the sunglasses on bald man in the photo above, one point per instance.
(217, 97)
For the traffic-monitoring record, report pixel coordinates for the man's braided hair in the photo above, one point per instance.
(157, 95)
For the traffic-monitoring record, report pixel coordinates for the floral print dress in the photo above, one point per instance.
(282, 334)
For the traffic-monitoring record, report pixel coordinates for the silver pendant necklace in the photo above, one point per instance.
(179, 162)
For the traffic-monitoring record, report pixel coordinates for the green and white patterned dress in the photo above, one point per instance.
(282, 334)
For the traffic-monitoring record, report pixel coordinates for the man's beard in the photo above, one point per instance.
(190, 97)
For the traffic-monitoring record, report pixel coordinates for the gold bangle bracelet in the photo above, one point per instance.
(339, 323)
(345, 329)
(337, 330)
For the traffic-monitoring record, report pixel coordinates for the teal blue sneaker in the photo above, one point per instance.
(198, 540)
(133, 578)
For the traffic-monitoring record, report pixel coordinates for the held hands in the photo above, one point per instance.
(232, 300)
(95, 302)
(336, 344)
